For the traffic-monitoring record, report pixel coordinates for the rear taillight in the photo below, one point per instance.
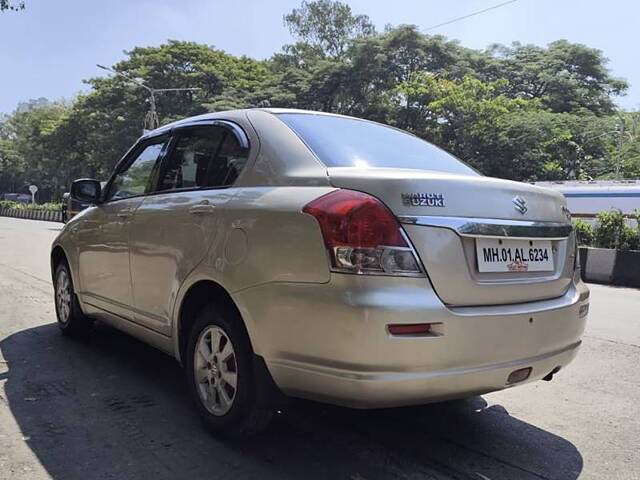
(362, 235)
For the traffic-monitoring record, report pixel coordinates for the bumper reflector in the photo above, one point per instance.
(519, 375)
(410, 329)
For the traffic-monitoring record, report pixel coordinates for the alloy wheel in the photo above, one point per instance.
(215, 370)
(63, 296)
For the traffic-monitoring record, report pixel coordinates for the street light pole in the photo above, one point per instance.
(620, 140)
(151, 118)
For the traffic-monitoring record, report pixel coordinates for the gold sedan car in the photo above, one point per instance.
(285, 253)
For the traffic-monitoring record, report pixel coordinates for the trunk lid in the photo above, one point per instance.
(430, 204)
(462, 195)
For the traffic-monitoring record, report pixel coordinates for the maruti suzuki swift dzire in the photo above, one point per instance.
(281, 252)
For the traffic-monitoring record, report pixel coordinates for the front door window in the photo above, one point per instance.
(138, 178)
(205, 157)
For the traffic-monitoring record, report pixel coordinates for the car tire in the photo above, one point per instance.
(212, 369)
(71, 320)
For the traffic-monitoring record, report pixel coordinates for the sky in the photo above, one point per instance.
(47, 49)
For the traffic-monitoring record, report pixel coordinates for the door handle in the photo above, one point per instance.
(202, 209)
(126, 213)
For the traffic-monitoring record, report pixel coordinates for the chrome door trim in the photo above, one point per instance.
(489, 227)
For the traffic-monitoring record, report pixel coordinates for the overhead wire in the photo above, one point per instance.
(470, 15)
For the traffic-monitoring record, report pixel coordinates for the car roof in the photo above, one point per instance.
(225, 114)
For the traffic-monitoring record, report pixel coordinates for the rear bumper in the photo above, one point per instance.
(397, 389)
(329, 342)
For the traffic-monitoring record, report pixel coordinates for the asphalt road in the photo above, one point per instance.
(111, 407)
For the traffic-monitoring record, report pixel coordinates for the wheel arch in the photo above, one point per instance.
(202, 292)
(58, 255)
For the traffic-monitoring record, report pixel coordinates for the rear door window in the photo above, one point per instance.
(202, 157)
(230, 161)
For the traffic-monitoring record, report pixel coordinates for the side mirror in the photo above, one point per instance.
(86, 190)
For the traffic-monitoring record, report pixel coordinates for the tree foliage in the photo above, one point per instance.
(9, 5)
(522, 112)
(327, 26)
(568, 77)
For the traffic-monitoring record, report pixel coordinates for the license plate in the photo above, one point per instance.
(502, 255)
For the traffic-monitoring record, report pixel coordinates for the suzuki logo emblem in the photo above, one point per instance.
(520, 204)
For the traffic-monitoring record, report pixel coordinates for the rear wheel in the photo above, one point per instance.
(222, 382)
(216, 370)
(71, 320)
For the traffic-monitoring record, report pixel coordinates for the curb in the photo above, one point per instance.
(610, 267)
(32, 214)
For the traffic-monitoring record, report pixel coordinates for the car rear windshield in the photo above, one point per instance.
(349, 142)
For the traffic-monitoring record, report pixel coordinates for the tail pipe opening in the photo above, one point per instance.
(550, 375)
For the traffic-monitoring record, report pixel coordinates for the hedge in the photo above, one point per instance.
(52, 207)
(611, 231)
(51, 212)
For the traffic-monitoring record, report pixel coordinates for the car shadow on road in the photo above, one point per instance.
(112, 407)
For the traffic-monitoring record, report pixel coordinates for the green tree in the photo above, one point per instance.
(461, 116)
(327, 25)
(627, 136)
(378, 63)
(112, 114)
(178, 64)
(34, 144)
(11, 168)
(543, 145)
(630, 167)
(521, 112)
(567, 77)
(9, 5)
(566, 156)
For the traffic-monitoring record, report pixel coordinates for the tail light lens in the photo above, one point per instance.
(362, 235)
